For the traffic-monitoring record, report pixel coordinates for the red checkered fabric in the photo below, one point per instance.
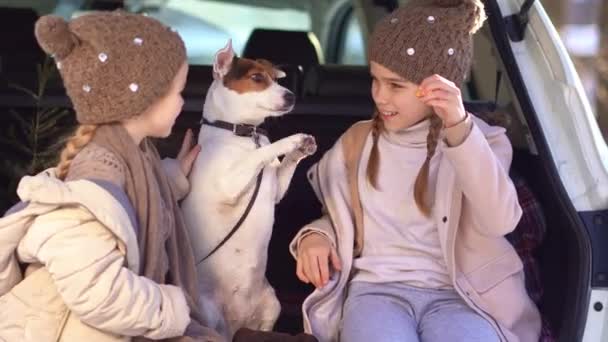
(526, 238)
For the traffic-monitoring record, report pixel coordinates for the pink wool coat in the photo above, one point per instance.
(475, 206)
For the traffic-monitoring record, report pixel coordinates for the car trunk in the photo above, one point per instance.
(330, 99)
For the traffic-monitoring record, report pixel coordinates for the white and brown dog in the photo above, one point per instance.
(235, 291)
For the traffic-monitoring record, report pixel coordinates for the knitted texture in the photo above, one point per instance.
(114, 65)
(427, 37)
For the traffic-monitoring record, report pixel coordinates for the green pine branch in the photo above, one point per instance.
(32, 139)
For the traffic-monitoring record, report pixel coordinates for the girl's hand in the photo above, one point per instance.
(444, 97)
(314, 254)
(188, 153)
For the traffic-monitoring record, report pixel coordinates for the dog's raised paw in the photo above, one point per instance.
(308, 146)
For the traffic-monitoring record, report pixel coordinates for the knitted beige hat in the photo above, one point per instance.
(114, 65)
(426, 37)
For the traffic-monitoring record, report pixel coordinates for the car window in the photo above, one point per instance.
(352, 50)
(205, 26)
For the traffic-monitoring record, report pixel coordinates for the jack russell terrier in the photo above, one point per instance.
(236, 182)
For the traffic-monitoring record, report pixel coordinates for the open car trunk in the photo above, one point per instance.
(333, 97)
(330, 98)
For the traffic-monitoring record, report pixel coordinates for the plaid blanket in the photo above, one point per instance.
(526, 238)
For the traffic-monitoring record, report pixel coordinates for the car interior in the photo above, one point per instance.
(331, 96)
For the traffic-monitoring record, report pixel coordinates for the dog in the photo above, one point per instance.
(234, 152)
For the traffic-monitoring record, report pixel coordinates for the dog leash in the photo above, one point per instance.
(256, 139)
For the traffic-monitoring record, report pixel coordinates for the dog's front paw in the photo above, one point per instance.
(308, 146)
(289, 144)
(305, 145)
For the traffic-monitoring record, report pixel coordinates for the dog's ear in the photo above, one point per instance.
(279, 73)
(223, 59)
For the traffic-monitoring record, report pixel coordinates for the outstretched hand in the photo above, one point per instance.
(188, 153)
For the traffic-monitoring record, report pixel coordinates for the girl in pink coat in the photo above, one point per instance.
(417, 201)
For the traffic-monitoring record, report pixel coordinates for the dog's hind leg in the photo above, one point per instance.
(268, 310)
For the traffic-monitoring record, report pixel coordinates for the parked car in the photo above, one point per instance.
(522, 78)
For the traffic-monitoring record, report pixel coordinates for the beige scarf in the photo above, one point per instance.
(165, 251)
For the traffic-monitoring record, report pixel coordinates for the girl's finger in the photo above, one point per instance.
(310, 264)
(187, 161)
(192, 154)
(315, 270)
(323, 269)
(306, 268)
(335, 260)
(438, 81)
(438, 94)
(432, 85)
(300, 271)
(186, 144)
(438, 103)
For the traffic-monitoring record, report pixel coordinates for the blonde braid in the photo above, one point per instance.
(373, 164)
(421, 185)
(82, 136)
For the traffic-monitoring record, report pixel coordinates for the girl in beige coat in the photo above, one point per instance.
(101, 238)
(417, 201)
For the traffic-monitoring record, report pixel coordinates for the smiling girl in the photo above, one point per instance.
(417, 201)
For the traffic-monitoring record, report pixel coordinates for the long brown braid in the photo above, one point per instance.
(82, 136)
(374, 158)
(422, 181)
(421, 184)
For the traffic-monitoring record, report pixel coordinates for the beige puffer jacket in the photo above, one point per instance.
(85, 287)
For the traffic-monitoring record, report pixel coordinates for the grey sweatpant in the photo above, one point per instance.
(396, 312)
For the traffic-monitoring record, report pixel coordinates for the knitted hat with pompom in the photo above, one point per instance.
(114, 65)
(426, 37)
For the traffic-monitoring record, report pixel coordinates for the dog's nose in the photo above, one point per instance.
(289, 98)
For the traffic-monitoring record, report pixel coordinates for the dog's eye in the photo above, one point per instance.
(257, 78)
